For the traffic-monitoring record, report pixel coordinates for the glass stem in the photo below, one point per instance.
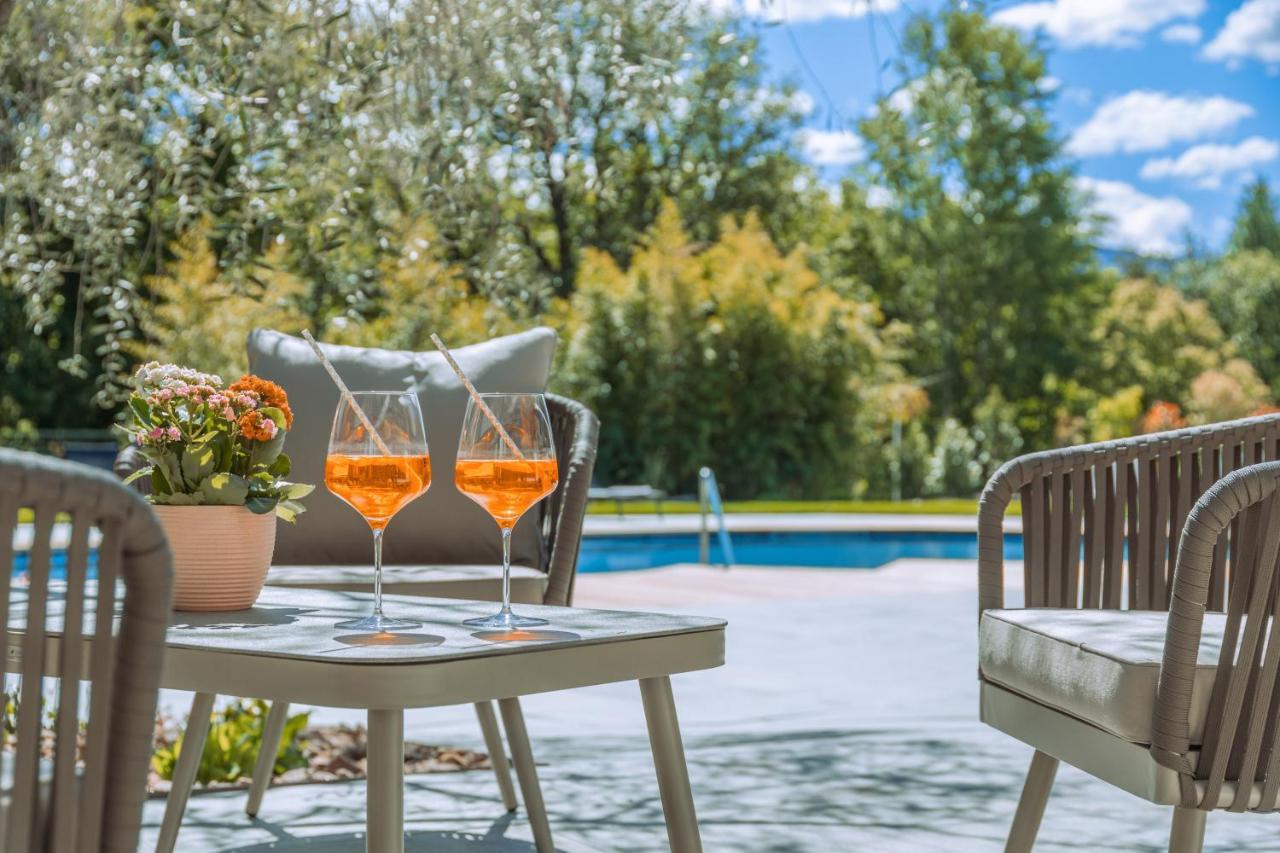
(506, 569)
(377, 572)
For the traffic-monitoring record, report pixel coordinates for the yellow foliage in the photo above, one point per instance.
(200, 319)
(1223, 394)
(1116, 416)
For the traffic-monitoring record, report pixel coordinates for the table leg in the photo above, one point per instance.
(384, 793)
(184, 772)
(668, 761)
(527, 773)
(265, 764)
(497, 753)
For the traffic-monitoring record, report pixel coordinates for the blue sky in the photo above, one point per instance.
(1168, 106)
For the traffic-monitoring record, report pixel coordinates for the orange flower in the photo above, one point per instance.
(270, 393)
(1163, 416)
(256, 426)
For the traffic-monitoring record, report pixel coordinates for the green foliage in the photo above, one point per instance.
(732, 355)
(1151, 336)
(981, 249)
(1257, 227)
(1243, 292)
(231, 748)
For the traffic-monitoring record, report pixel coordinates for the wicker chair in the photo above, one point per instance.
(575, 430)
(55, 805)
(1073, 672)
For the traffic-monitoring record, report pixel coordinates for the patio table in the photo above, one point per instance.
(286, 649)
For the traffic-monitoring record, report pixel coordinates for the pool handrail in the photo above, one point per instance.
(709, 503)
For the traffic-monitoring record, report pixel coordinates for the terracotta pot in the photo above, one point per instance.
(220, 555)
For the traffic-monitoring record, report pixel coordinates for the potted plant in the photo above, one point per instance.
(217, 472)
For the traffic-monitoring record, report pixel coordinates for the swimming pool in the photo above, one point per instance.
(849, 549)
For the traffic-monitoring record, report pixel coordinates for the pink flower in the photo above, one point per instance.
(157, 434)
(174, 433)
(229, 413)
(183, 391)
(216, 400)
(165, 394)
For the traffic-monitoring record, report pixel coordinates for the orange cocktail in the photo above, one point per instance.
(377, 486)
(506, 487)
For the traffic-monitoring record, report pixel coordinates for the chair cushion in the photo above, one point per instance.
(442, 526)
(1100, 666)
(475, 583)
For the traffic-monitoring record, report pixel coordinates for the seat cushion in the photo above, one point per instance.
(1100, 666)
(476, 583)
(442, 526)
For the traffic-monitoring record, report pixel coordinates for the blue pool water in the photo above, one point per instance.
(837, 550)
(57, 564)
(822, 549)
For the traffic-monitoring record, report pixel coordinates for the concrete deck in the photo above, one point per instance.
(844, 720)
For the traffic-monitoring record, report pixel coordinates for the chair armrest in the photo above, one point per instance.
(1240, 726)
(577, 432)
(129, 460)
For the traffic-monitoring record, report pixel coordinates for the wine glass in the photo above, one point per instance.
(377, 474)
(506, 474)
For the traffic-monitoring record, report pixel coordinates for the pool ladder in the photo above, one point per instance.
(709, 503)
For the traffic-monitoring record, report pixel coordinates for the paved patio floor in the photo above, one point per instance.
(844, 720)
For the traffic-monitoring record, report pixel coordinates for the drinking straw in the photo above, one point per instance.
(475, 396)
(346, 394)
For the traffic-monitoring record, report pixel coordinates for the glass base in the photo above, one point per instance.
(504, 620)
(379, 624)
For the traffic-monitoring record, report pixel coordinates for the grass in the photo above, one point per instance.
(932, 506)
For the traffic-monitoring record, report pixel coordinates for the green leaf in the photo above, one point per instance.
(281, 466)
(289, 510)
(294, 491)
(265, 453)
(198, 461)
(277, 417)
(225, 489)
(139, 474)
(261, 505)
(141, 411)
(159, 484)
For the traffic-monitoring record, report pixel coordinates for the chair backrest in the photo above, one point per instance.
(1089, 510)
(1238, 751)
(577, 433)
(54, 804)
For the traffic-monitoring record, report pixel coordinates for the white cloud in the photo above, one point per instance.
(831, 147)
(1250, 32)
(1182, 34)
(1207, 165)
(1136, 220)
(1147, 121)
(802, 102)
(798, 11)
(1076, 23)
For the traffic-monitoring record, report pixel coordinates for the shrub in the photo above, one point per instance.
(732, 355)
(231, 747)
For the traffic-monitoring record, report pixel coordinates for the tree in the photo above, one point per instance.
(1243, 292)
(1256, 225)
(616, 105)
(733, 355)
(989, 261)
(1150, 336)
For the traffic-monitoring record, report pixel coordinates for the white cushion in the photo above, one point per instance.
(1100, 666)
(483, 583)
